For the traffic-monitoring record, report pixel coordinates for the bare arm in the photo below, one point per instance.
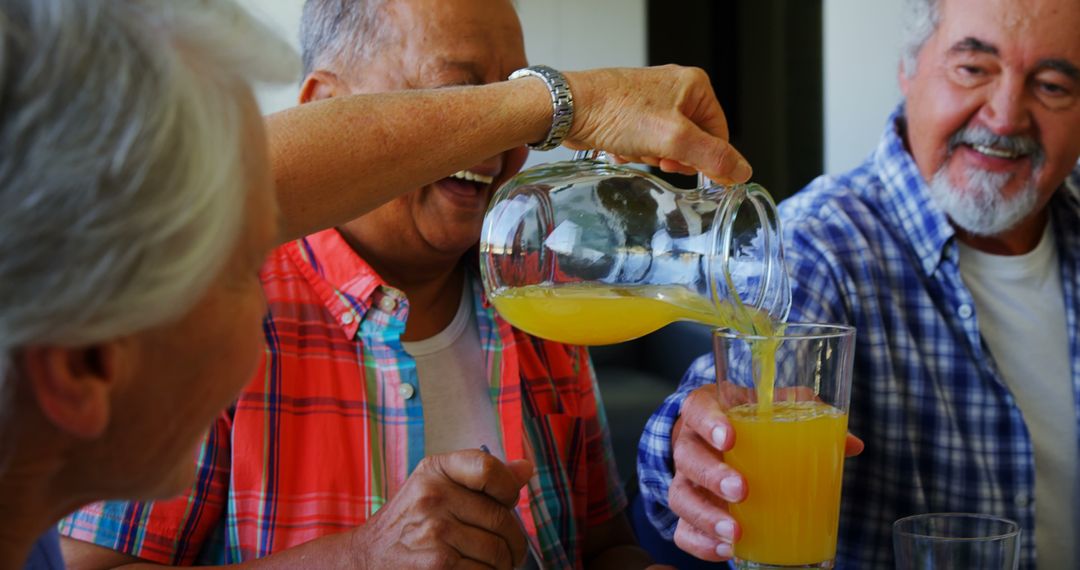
(337, 159)
(79, 555)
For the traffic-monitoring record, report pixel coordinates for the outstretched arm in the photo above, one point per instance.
(336, 159)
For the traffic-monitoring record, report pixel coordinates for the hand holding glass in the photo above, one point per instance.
(787, 398)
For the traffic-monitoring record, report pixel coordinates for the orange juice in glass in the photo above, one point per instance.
(787, 397)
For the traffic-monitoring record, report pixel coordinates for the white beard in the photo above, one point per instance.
(979, 207)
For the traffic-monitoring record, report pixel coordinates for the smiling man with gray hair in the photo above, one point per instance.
(395, 420)
(955, 251)
(139, 195)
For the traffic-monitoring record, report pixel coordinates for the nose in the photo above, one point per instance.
(1006, 110)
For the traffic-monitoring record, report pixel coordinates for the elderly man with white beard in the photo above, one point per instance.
(955, 251)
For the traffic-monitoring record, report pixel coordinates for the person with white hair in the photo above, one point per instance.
(386, 368)
(955, 251)
(139, 196)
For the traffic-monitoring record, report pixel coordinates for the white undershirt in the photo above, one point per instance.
(458, 411)
(1021, 311)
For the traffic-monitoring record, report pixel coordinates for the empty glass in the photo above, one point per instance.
(948, 541)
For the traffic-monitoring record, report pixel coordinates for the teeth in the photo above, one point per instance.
(997, 153)
(472, 177)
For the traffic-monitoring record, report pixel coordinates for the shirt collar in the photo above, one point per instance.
(906, 199)
(347, 285)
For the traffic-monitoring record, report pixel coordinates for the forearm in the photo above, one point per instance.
(330, 552)
(336, 159)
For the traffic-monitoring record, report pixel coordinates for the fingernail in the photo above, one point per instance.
(723, 550)
(731, 487)
(742, 170)
(719, 435)
(726, 530)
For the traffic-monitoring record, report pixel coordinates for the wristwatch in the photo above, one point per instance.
(562, 103)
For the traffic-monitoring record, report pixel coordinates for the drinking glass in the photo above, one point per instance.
(786, 395)
(947, 541)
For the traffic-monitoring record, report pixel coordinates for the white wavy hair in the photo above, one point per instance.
(122, 172)
(922, 19)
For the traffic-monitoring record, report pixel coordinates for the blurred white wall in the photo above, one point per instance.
(861, 51)
(283, 16)
(565, 34)
(861, 54)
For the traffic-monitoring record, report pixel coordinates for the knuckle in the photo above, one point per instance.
(488, 464)
(677, 495)
(501, 517)
(427, 464)
(685, 456)
(696, 403)
(685, 539)
(670, 135)
(503, 558)
(695, 74)
(428, 499)
(442, 557)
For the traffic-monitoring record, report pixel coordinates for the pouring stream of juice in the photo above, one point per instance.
(790, 520)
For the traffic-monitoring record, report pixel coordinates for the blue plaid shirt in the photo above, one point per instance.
(942, 430)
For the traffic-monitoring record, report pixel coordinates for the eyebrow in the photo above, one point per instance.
(971, 44)
(1062, 66)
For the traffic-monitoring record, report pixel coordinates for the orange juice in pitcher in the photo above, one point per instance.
(587, 252)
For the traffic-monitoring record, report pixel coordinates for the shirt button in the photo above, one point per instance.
(406, 391)
(1022, 499)
(965, 311)
(347, 318)
(387, 304)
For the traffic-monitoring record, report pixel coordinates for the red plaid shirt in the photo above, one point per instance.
(331, 425)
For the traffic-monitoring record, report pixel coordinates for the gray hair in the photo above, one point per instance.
(121, 180)
(341, 33)
(922, 19)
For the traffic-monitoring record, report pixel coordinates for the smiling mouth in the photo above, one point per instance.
(997, 152)
(470, 176)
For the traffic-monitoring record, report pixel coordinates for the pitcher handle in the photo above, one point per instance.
(590, 154)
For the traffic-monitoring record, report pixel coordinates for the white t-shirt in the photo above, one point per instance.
(1021, 311)
(454, 390)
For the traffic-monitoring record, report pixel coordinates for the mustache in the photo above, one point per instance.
(1016, 144)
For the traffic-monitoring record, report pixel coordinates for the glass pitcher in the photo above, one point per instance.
(589, 252)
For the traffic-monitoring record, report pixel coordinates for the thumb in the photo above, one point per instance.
(853, 446)
(522, 469)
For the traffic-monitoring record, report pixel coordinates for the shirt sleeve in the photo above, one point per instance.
(606, 496)
(173, 531)
(655, 468)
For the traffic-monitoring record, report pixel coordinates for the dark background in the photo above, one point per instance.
(764, 57)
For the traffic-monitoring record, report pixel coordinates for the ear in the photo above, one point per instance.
(321, 84)
(902, 78)
(74, 386)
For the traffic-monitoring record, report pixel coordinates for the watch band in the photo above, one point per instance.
(562, 103)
